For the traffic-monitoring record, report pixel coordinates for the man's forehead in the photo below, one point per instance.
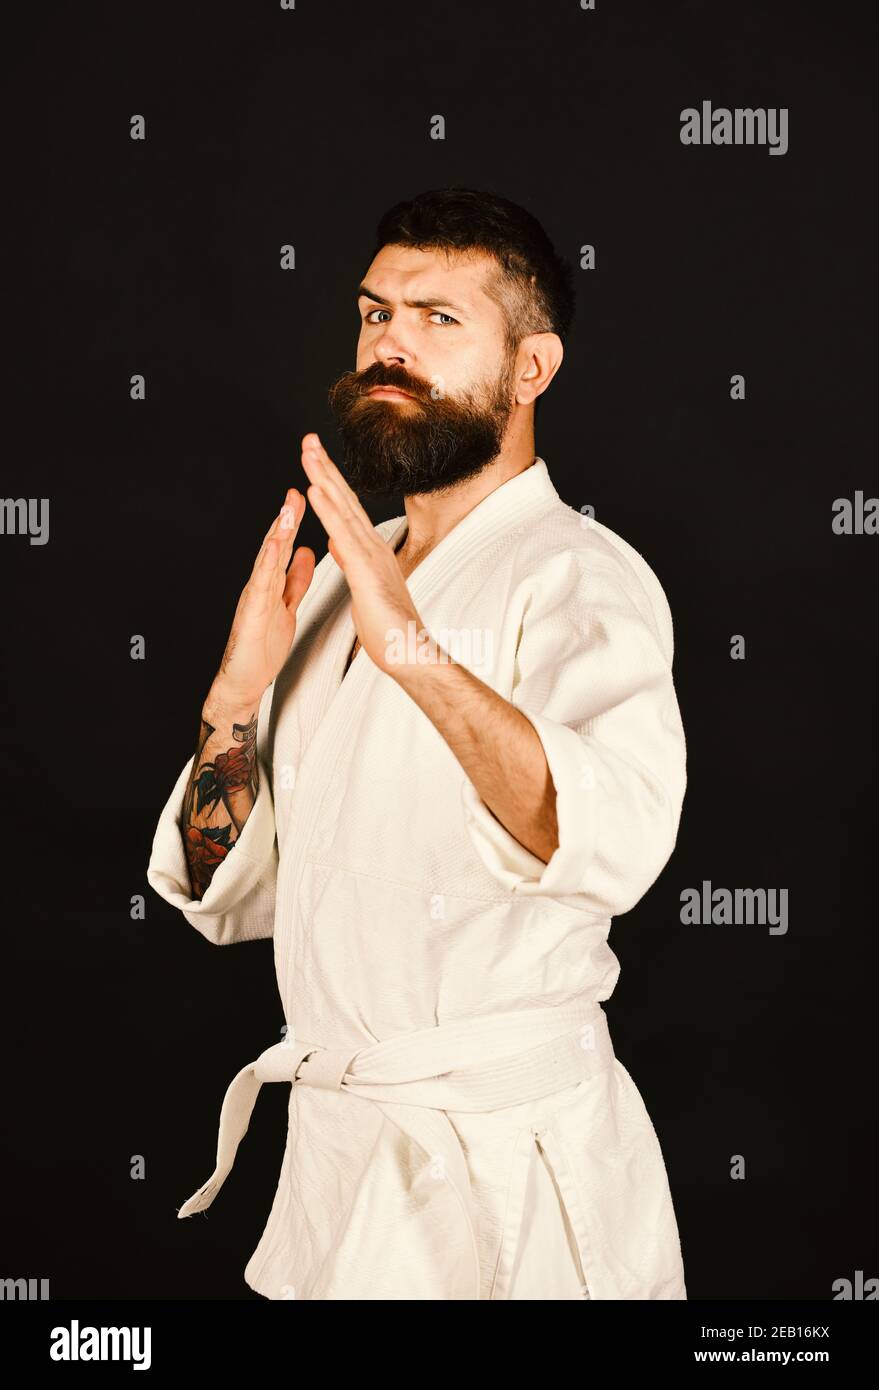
(399, 272)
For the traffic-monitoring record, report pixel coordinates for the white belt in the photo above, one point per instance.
(474, 1064)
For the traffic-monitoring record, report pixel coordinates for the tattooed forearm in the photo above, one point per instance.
(221, 791)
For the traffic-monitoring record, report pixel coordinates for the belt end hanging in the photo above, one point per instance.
(199, 1200)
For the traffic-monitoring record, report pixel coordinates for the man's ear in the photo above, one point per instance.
(539, 357)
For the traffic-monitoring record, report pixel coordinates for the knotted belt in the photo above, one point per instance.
(474, 1064)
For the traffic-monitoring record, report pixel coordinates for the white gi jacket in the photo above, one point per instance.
(458, 1124)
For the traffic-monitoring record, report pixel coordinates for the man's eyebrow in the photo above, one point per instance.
(364, 292)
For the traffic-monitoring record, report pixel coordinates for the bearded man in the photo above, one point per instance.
(433, 767)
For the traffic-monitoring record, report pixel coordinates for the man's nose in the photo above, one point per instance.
(391, 352)
(391, 345)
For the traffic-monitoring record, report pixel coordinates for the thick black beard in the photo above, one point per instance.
(419, 447)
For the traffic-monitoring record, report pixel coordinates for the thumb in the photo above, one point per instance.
(299, 576)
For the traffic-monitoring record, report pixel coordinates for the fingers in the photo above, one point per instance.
(351, 533)
(288, 522)
(347, 542)
(323, 473)
(278, 540)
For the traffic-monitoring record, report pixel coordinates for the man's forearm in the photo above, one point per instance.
(222, 789)
(496, 745)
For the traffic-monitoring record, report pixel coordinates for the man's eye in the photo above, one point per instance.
(436, 313)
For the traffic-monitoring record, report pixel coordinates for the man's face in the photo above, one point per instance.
(447, 352)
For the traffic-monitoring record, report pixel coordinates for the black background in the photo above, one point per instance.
(161, 257)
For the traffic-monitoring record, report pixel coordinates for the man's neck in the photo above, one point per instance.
(431, 516)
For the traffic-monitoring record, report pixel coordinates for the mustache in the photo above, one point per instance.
(377, 374)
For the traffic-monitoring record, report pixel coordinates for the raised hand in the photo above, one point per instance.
(380, 601)
(265, 620)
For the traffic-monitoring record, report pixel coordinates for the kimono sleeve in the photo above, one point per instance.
(593, 675)
(239, 904)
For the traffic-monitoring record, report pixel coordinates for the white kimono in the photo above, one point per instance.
(458, 1124)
